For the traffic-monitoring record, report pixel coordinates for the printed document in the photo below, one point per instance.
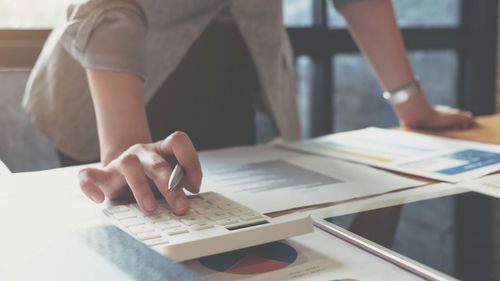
(422, 155)
(489, 185)
(311, 257)
(270, 179)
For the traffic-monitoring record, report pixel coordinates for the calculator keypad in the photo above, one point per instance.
(208, 211)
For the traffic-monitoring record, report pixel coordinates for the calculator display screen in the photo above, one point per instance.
(457, 234)
(246, 225)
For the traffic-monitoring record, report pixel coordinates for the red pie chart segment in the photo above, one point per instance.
(256, 265)
(254, 260)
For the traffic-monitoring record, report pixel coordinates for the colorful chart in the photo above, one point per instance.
(254, 260)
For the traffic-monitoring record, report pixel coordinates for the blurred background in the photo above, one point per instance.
(452, 46)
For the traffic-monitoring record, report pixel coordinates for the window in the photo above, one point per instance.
(357, 90)
(31, 14)
(297, 13)
(414, 13)
(452, 48)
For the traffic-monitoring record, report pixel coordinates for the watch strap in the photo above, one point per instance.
(402, 94)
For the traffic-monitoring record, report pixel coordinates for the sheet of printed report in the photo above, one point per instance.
(433, 157)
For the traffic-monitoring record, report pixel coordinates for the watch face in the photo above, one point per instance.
(402, 94)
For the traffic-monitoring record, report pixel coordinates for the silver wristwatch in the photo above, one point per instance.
(402, 94)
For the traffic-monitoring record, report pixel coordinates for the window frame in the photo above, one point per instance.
(19, 49)
(474, 41)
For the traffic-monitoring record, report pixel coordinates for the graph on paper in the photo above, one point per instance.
(266, 176)
(417, 154)
(293, 182)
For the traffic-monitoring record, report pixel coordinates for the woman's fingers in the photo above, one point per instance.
(179, 145)
(177, 200)
(159, 170)
(131, 168)
(140, 162)
(97, 183)
(447, 117)
(89, 179)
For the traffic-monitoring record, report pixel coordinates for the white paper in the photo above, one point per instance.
(489, 185)
(270, 179)
(3, 169)
(321, 256)
(36, 209)
(432, 157)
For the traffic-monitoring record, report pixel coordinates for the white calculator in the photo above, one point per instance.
(214, 224)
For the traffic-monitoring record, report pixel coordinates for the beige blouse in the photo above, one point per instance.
(149, 38)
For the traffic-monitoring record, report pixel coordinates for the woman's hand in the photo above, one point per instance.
(416, 112)
(130, 171)
(382, 45)
(445, 117)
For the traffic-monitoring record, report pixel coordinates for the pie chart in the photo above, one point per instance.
(254, 260)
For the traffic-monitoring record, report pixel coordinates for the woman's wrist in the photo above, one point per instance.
(110, 152)
(415, 111)
(403, 93)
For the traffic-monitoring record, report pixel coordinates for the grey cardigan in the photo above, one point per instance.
(149, 38)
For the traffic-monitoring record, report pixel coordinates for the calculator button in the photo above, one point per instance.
(199, 204)
(226, 205)
(156, 241)
(212, 196)
(167, 224)
(140, 229)
(124, 215)
(216, 217)
(201, 226)
(215, 212)
(210, 215)
(188, 214)
(148, 235)
(176, 231)
(158, 217)
(163, 209)
(239, 212)
(149, 214)
(134, 206)
(117, 209)
(203, 208)
(227, 221)
(132, 222)
(250, 217)
(193, 220)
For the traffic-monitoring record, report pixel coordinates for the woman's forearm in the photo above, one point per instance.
(373, 26)
(120, 111)
(124, 135)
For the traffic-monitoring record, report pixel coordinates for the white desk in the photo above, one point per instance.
(42, 210)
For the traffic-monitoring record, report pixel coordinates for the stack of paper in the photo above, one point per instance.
(270, 179)
(427, 156)
(314, 256)
(489, 185)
